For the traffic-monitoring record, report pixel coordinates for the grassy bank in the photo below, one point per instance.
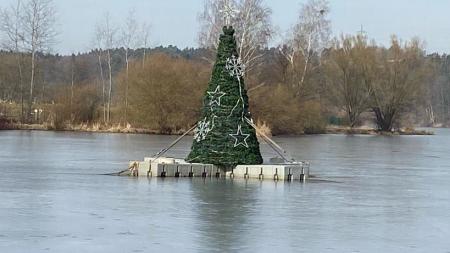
(95, 128)
(117, 128)
(373, 131)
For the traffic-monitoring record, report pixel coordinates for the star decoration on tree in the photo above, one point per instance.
(202, 129)
(215, 96)
(240, 138)
(228, 12)
(235, 67)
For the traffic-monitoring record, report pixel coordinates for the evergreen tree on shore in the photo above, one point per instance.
(223, 136)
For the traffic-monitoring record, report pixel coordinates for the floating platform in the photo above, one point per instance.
(172, 167)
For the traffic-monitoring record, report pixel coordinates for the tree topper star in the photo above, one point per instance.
(240, 138)
(229, 12)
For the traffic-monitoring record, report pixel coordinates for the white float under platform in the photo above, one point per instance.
(172, 167)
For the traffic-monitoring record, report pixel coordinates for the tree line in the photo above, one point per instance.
(306, 82)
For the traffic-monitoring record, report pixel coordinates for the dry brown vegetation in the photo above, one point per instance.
(285, 113)
(166, 93)
(303, 85)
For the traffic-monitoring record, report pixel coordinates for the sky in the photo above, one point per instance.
(174, 22)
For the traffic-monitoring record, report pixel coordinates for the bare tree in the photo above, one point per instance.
(402, 71)
(72, 81)
(99, 44)
(165, 76)
(251, 21)
(309, 36)
(107, 36)
(39, 20)
(350, 66)
(438, 97)
(129, 38)
(145, 34)
(12, 28)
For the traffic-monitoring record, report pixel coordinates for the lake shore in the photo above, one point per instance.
(96, 128)
(373, 131)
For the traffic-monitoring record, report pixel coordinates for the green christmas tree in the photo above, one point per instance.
(223, 135)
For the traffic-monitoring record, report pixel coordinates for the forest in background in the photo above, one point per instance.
(307, 82)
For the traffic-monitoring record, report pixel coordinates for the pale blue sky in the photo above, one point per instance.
(174, 22)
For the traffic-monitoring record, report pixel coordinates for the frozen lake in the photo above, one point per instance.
(384, 194)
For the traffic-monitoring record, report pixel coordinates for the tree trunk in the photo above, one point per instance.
(103, 86)
(431, 115)
(126, 86)
(19, 68)
(352, 117)
(108, 119)
(42, 93)
(30, 99)
(305, 68)
(384, 120)
(302, 80)
(71, 97)
(143, 58)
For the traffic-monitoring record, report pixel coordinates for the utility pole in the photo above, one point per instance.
(361, 32)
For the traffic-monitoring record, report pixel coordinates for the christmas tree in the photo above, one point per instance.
(223, 135)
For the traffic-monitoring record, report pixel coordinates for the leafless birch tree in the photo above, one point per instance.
(252, 23)
(108, 37)
(72, 81)
(12, 28)
(39, 21)
(129, 39)
(99, 44)
(309, 36)
(145, 34)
